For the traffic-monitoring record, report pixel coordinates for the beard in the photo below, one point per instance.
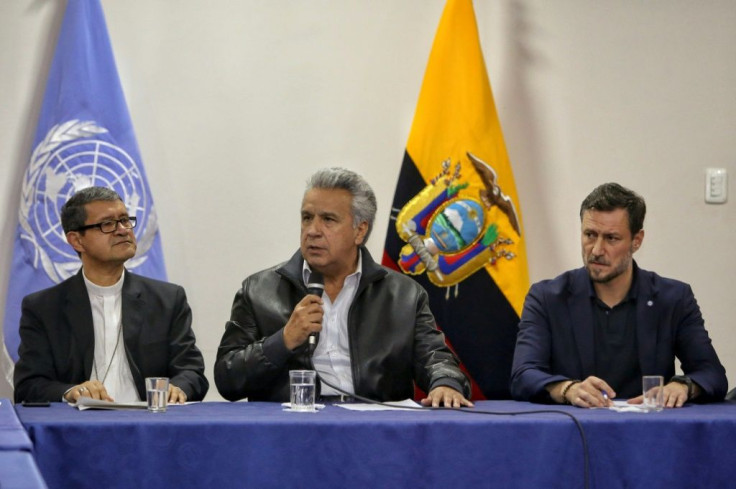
(603, 277)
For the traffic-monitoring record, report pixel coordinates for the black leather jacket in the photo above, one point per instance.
(392, 335)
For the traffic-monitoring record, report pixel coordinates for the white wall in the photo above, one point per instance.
(236, 102)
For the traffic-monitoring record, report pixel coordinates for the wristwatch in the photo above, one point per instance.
(684, 379)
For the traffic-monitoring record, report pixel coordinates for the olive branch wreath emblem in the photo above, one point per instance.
(57, 136)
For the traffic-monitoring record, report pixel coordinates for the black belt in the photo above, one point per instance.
(337, 398)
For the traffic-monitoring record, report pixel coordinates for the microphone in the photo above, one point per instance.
(315, 286)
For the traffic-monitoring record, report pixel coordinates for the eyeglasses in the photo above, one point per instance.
(111, 226)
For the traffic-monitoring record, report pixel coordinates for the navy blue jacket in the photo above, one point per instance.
(556, 337)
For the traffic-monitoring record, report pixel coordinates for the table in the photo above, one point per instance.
(12, 434)
(18, 469)
(259, 445)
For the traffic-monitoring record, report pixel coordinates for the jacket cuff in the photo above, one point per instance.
(448, 382)
(275, 350)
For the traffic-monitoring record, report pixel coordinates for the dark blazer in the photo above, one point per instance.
(57, 339)
(555, 340)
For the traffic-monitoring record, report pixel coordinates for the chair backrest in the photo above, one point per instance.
(731, 395)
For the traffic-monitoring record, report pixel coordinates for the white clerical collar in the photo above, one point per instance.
(103, 291)
(306, 271)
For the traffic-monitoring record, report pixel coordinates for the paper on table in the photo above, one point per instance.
(89, 403)
(625, 407)
(389, 406)
(287, 405)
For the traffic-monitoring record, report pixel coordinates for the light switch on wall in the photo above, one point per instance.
(716, 185)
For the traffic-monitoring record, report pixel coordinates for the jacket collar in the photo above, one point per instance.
(133, 305)
(292, 270)
(648, 315)
(582, 320)
(78, 315)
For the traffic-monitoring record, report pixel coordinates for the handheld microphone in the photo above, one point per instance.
(315, 286)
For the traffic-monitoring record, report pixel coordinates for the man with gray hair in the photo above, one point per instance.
(101, 332)
(377, 336)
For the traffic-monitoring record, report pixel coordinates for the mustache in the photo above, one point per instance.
(597, 260)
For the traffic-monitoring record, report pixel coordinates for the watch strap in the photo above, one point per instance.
(684, 379)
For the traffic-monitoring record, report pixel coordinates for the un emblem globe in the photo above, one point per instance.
(64, 162)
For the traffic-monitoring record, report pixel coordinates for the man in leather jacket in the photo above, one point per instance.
(376, 333)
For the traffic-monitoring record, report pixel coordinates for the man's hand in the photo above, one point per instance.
(176, 395)
(674, 395)
(445, 396)
(92, 388)
(305, 319)
(591, 392)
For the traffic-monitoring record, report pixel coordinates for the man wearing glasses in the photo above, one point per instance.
(101, 332)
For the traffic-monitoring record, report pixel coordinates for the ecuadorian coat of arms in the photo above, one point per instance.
(449, 227)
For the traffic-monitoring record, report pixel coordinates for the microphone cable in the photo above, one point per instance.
(316, 286)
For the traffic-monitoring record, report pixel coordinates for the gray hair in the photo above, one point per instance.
(363, 206)
(73, 213)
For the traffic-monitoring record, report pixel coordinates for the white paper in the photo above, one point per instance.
(404, 405)
(287, 407)
(625, 407)
(85, 402)
(89, 403)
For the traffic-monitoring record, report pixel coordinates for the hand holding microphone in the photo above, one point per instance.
(306, 318)
(316, 286)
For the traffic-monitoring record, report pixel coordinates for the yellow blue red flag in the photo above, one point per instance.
(456, 223)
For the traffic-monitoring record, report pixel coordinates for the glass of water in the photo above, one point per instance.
(303, 389)
(157, 393)
(653, 390)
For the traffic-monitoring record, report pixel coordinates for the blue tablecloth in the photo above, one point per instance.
(18, 471)
(12, 434)
(259, 445)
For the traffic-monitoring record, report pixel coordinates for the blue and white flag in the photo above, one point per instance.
(84, 138)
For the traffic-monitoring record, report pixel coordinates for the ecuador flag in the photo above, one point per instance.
(456, 223)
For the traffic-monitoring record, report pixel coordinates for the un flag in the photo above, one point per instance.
(84, 138)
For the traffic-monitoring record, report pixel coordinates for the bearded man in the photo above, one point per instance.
(589, 335)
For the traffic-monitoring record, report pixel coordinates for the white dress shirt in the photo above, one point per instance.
(331, 357)
(110, 361)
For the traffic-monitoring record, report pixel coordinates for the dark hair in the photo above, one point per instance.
(612, 196)
(363, 207)
(73, 213)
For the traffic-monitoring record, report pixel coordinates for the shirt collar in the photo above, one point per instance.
(100, 290)
(307, 271)
(630, 295)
